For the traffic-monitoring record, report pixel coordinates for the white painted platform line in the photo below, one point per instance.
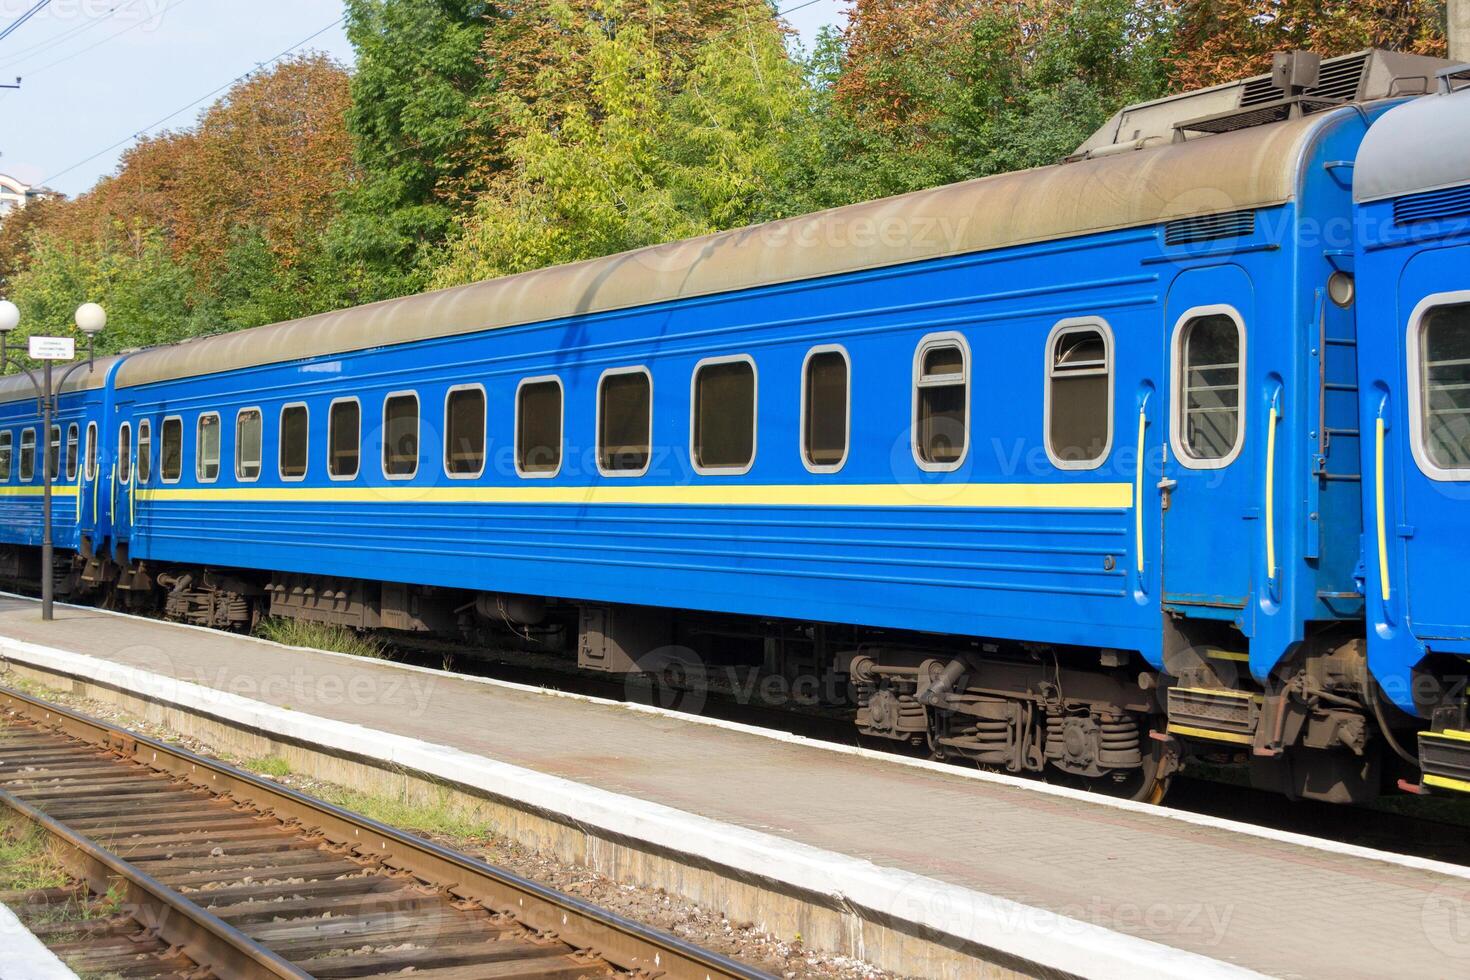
(1032, 934)
(24, 957)
(979, 775)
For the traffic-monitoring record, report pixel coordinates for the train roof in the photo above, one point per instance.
(1423, 145)
(17, 387)
(1249, 168)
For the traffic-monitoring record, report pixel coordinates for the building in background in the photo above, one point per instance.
(14, 194)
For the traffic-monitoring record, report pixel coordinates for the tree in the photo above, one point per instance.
(1223, 40)
(914, 93)
(654, 148)
(416, 113)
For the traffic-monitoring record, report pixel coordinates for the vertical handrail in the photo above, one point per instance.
(112, 499)
(1271, 487)
(1380, 432)
(1138, 485)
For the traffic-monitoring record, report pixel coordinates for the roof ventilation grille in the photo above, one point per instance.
(1453, 202)
(1338, 78)
(1210, 227)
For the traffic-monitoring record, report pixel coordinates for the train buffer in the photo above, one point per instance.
(908, 864)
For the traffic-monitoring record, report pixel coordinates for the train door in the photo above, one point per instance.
(89, 505)
(1207, 486)
(1435, 488)
(122, 484)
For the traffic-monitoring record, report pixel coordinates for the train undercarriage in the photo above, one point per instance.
(1099, 719)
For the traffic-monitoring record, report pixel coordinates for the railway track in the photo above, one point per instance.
(211, 871)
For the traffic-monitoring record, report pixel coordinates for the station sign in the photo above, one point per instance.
(53, 348)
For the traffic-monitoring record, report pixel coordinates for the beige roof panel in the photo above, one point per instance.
(1247, 169)
(17, 387)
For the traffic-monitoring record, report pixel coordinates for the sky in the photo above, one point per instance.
(97, 73)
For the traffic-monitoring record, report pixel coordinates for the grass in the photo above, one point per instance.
(270, 765)
(26, 861)
(321, 636)
(441, 817)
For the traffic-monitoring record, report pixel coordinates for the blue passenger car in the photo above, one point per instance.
(1061, 470)
(72, 450)
(1413, 189)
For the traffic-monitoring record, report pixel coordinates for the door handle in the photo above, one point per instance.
(1166, 489)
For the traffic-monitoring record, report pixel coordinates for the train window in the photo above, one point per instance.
(206, 448)
(145, 452)
(538, 427)
(401, 435)
(722, 431)
(941, 402)
(124, 453)
(53, 453)
(7, 447)
(826, 410)
(464, 431)
(1209, 349)
(1079, 394)
(171, 461)
(1444, 388)
(27, 455)
(249, 433)
(344, 435)
(72, 449)
(624, 421)
(91, 468)
(295, 439)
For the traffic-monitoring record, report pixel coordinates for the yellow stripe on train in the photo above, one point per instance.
(994, 496)
(60, 490)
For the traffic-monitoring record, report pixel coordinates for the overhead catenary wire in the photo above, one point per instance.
(20, 21)
(97, 44)
(51, 44)
(140, 133)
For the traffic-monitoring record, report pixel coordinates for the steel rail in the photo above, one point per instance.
(627, 944)
(215, 945)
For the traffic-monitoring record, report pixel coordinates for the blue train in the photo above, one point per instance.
(1082, 470)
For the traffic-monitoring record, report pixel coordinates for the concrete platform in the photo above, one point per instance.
(898, 861)
(25, 957)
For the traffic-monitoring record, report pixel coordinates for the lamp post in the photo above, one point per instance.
(91, 319)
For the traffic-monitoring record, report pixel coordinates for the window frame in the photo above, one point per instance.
(418, 435)
(1414, 352)
(71, 460)
(1071, 325)
(561, 426)
(928, 342)
(7, 441)
(21, 455)
(344, 478)
(484, 430)
(90, 453)
(199, 456)
(55, 439)
(162, 437)
(259, 463)
(144, 474)
(597, 430)
(801, 434)
(755, 415)
(1176, 388)
(281, 442)
(125, 459)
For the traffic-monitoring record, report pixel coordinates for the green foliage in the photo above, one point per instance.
(147, 295)
(321, 636)
(655, 150)
(417, 96)
(26, 861)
